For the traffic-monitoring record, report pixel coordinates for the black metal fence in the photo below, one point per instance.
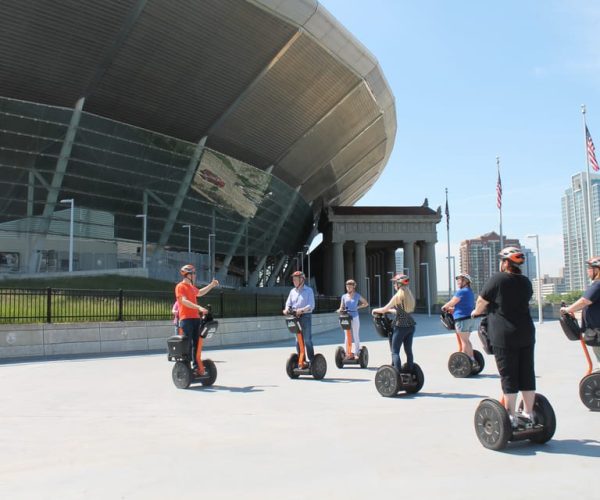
(59, 305)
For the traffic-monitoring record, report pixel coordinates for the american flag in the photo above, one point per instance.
(591, 150)
(499, 192)
(447, 214)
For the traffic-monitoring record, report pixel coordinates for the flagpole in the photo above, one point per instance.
(448, 233)
(589, 192)
(499, 202)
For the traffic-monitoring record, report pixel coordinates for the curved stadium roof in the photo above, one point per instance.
(277, 84)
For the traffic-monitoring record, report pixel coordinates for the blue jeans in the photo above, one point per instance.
(402, 335)
(306, 325)
(191, 329)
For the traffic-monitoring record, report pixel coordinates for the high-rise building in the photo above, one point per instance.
(576, 230)
(479, 257)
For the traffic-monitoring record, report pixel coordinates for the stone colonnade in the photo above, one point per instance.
(361, 243)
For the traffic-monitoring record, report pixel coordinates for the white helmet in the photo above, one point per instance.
(464, 276)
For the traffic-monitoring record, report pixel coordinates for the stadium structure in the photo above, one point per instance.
(144, 134)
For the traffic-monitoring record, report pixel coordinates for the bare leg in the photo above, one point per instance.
(528, 401)
(510, 402)
(465, 340)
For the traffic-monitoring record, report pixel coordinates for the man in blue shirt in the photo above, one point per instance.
(590, 302)
(302, 300)
(461, 306)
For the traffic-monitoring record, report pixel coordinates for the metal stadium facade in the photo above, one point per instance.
(149, 133)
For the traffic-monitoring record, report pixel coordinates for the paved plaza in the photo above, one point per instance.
(116, 427)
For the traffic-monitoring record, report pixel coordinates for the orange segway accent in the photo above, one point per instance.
(199, 356)
(300, 339)
(348, 343)
(587, 357)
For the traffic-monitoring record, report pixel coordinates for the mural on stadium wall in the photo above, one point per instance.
(230, 183)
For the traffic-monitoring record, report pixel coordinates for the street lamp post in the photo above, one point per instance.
(539, 276)
(306, 248)
(189, 228)
(453, 261)
(391, 273)
(70, 201)
(378, 276)
(211, 256)
(426, 264)
(145, 219)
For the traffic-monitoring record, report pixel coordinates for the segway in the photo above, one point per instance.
(494, 429)
(296, 364)
(589, 386)
(179, 351)
(344, 357)
(459, 363)
(388, 380)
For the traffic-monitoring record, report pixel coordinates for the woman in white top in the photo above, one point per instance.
(351, 302)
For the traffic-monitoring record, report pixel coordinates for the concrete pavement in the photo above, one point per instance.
(118, 428)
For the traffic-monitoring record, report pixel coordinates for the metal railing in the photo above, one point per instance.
(59, 305)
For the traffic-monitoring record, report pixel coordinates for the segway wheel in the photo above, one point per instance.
(459, 365)
(589, 391)
(480, 361)
(363, 357)
(418, 378)
(340, 354)
(210, 373)
(182, 375)
(292, 363)
(387, 381)
(318, 367)
(544, 415)
(492, 425)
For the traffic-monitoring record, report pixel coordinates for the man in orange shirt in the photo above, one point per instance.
(186, 294)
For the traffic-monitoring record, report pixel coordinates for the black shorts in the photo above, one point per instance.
(516, 368)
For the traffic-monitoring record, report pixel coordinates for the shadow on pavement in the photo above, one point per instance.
(443, 395)
(219, 388)
(579, 447)
(338, 379)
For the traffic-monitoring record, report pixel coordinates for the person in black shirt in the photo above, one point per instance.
(590, 302)
(506, 297)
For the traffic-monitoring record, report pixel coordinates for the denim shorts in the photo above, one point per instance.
(467, 325)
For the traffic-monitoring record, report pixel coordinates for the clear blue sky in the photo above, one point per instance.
(475, 80)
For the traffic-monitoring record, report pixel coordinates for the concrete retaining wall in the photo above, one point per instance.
(40, 340)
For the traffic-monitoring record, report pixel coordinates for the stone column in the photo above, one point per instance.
(360, 267)
(390, 267)
(429, 257)
(409, 263)
(419, 273)
(338, 268)
(348, 262)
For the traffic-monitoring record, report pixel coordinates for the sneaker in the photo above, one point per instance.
(199, 373)
(521, 421)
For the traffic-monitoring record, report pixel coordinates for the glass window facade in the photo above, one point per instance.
(116, 171)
